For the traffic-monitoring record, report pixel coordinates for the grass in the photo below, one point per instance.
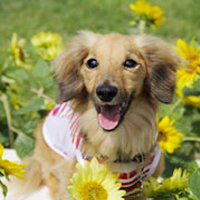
(27, 17)
(182, 19)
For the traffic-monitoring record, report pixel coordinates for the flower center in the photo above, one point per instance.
(93, 191)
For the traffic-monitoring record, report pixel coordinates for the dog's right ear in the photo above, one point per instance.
(68, 63)
(162, 63)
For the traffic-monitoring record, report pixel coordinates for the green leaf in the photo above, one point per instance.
(4, 188)
(41, 69)
(36, 105)
(4, 173)
(30, 125)
(24, 145)
(194, 183)
(183, 158)
(19, 75)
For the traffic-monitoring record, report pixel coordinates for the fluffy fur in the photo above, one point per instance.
(143, 86)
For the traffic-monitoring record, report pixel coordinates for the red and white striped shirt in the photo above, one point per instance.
(62, 135)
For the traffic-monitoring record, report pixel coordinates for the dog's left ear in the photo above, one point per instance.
(161, 62)
(67, 65)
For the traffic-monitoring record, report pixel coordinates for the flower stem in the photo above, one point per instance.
(19, 132)
(192, 139)
(11, 129)
(176, 104)
(141, 27)
(44, 96)
(4, 99)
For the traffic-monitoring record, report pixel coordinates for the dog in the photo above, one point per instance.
(110, 89)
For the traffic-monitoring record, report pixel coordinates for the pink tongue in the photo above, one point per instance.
(109, 117)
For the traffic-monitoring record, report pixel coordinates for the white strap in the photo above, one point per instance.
(155, 160)
(56, 134)
(79, 157)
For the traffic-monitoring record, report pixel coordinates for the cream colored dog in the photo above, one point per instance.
(112, 85)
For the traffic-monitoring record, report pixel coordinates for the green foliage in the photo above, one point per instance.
(4, 188)
(28, 93)
(67, 17)
(187, 121)
(24, 145)
(194, 183)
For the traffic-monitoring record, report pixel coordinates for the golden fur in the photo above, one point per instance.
(152, 80)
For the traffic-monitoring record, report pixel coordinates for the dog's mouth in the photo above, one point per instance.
(110, 116)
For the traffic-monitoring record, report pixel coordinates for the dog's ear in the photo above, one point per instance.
(161, 62)
(68, 62)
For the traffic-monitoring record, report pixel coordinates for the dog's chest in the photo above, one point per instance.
(62, 135)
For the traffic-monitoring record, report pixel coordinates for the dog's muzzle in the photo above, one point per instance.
(106, 93)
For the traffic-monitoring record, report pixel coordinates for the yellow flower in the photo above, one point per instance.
(153, 13)
(157, 15)
(151, 187)
(48, 45)
(95, 182)
(178, 181)
(10, 168)
(48, 104)
(170, 136)
(192, 100)
(185, 78)
(14, 92)
(191, 61)
(19, 54)
(175, 184)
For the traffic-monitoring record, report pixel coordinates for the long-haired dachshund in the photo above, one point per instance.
(110, 88)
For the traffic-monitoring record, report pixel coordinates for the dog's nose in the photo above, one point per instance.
(106, 93)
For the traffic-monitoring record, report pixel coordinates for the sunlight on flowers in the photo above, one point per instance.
(192, 101)
(174, 186)
(170, 137)
(18, 52)
(178, 181)
(48, 45)
(10, 168)
(95, 181)
(153, 15)
(151, 187)
(190, 67)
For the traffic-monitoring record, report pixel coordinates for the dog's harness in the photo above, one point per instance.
(62, 135)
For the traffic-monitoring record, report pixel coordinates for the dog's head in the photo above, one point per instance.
(112, 70)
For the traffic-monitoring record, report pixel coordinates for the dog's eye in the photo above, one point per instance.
(92, 63)
(130, 63)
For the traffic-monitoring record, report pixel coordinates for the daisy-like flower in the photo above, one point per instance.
(151, 187)
(152, 14)
(48, 45)
(171, 138)
(48, 104)
(192, 101)
(178, 181)
(18, 52)
(187, 74)
(10, 168)
(95, 181)
(176, 185)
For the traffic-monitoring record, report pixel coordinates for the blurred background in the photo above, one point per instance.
(66, 17)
